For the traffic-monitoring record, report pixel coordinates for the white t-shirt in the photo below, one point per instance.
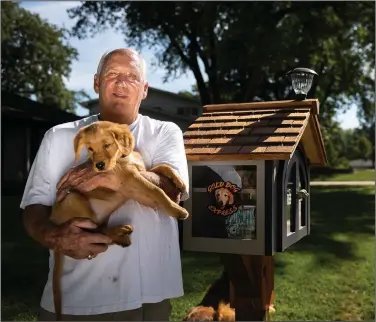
(119, 279)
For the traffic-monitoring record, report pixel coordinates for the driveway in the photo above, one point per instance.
(342, 183)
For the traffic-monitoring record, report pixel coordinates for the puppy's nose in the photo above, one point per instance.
(100, 165)
(220, 203)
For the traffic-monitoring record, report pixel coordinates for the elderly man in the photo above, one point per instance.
(122, 284)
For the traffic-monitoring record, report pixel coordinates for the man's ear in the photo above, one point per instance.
(96, 83)
(124, 138)
(78, 144)
(146, 89)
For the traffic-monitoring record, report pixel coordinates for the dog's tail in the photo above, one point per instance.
(56, 283)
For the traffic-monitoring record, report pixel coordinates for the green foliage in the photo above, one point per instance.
(357, 175)
(367, 117)
(241, 51)
(364, 148)
(35, 58)
(188, 94)
(345, 145)
(246, 48)
(331, 153)
(358, 145)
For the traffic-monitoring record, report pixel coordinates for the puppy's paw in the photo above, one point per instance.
(121, 235)
(180, 213)
(200, 313)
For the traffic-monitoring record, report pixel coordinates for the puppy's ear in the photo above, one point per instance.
(230, 198)
(78, 144)
(124, 138)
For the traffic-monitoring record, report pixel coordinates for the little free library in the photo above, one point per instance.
(250, 187)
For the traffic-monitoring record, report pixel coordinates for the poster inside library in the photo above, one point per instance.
(224, 201)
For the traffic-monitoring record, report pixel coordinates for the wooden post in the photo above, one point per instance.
(251, 285)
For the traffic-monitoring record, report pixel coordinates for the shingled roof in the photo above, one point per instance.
(260, 130)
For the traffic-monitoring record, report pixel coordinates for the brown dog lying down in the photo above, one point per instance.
(207, 313)
(111, 148)
(215, 304)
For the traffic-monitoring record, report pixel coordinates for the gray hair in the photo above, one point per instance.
(126, 51)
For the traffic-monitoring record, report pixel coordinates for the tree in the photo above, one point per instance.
(332, 154)
(365, 148)
(359, 146)
(351, 149)
(351, 144)
(246, 48)
(35, 58)
(191, 94)
(366, 114)
(188, 94)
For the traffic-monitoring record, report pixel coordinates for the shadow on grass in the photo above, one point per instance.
(199, 270)
(338, 215)
(279, 266)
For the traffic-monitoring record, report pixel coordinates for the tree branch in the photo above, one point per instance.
(191, 61)
(327, 91)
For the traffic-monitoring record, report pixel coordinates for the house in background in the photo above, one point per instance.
(164, 106)
(24, 123)
(361, 164)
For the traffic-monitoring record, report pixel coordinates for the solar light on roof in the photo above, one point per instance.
(301, 79)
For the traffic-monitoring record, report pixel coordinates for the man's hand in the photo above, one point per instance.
(83, 179)
(72, 240)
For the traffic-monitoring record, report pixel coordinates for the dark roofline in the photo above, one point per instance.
(175, 95)
(162, 113)
(24, 107)
(153, 89)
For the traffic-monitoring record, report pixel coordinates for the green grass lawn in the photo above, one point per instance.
(328, 275)
(358, 175)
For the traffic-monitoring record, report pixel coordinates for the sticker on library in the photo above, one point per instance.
(224, 198)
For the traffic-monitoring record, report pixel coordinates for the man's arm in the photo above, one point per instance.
(37, 224)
